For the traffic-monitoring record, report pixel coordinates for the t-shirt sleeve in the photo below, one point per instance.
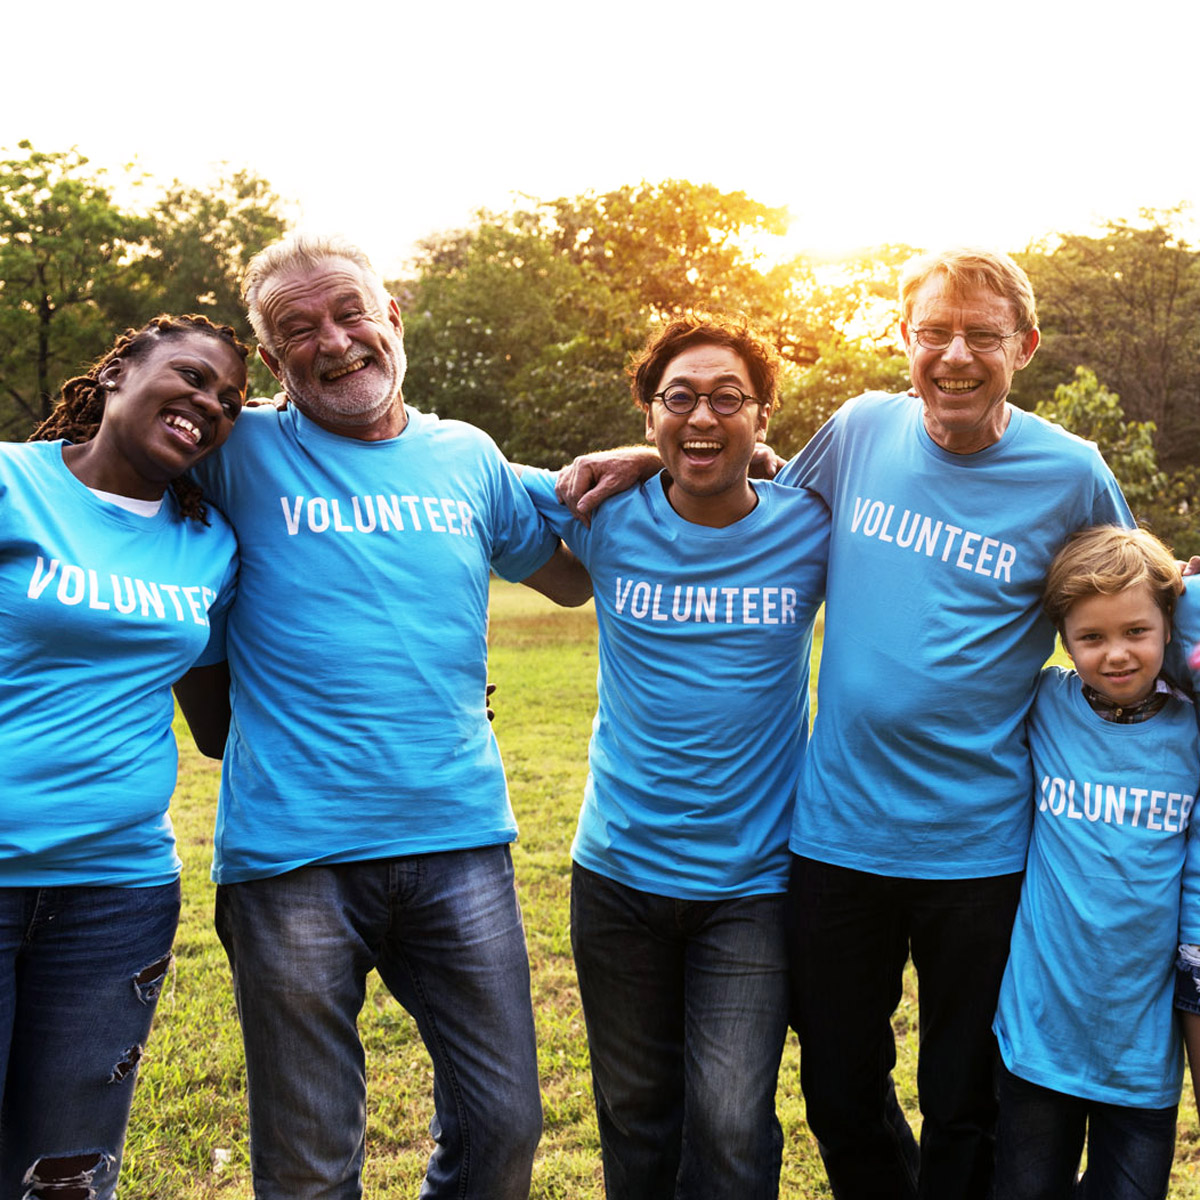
(540, 485)
(1109, 506)
(1189, 908)
(815, 467)
(521, 540)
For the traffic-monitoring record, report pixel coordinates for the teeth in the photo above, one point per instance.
(957, 385)
(702, 445)
(357, 365)
(189, 428)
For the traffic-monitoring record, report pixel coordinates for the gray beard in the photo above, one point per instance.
(350, 406)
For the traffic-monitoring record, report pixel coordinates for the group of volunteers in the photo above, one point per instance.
(311, 580)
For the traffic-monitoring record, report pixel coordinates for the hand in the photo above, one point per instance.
(587, 482)
(765, 463)
(279, 401)
(1192, 566)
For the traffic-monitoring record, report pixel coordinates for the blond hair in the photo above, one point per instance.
(969, 269)
(1105, 560)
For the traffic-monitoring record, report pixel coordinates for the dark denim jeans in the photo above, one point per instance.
(851, 934)
(444, 931)
(1039, 1141)
(81, 969)
(686, 1010)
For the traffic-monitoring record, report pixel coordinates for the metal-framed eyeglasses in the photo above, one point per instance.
(725, 400)
(979, 341)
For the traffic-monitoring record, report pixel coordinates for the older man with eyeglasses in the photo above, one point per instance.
(914, 805)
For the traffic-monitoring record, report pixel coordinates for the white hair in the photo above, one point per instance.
(302, 251)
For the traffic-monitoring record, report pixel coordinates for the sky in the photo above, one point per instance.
(930, 123)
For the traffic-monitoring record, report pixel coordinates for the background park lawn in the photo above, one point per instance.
(188, 1138)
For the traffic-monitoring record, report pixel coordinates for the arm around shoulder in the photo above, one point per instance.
(588, 481)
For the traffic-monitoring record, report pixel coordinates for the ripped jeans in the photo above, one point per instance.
(81, 969)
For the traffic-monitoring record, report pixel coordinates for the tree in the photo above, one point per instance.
(75, 269)
(1163, 501)
(503, 331)
(63, 244)
(844, 368)
(523, 323)
(1127, 304)
(199, 243)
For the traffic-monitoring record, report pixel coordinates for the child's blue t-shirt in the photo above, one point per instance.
(358, 645)
(102, 611)
(705, 637)
(1086, 1006)
(918, 765)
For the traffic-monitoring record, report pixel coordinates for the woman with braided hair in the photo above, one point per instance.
(111, 573)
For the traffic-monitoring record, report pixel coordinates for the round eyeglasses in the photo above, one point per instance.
(979, 341)
(680, 399)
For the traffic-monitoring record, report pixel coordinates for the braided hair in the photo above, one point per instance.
(77, 415)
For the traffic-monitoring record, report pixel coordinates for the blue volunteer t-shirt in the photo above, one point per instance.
(704, 643)
(358, 646)
(1086, 1006)
(102, 611)
(918, 765)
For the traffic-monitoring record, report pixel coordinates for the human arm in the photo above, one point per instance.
(203, 695)
(1190, 1023)
(586, 483)
(563, 579)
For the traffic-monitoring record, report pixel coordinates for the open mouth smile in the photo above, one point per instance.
(184, 427)
(957, 387)
(702, 449)
(339, 373)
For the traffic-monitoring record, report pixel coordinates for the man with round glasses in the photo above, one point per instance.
(914, 806)
(706, 586)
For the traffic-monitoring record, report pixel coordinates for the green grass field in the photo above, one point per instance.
(188, 1138)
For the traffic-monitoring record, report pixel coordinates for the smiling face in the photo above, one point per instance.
(338, 355)
(1117, 642)
(163, 412)
(707, 454)
(964, 390)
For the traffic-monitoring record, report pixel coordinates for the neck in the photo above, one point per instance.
(97, 470)
(389, 424)
(714, 511)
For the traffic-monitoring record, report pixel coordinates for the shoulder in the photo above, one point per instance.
(1055, 686)
(1052, 439)
(24, 461)
(875, 406)
(430, 425)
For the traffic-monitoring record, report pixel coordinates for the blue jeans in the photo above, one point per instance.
(445, 934)
(686, 1010)
(81, 969)
(1039, 1140)
(851, 933)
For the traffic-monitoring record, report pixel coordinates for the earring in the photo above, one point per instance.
(109, 385)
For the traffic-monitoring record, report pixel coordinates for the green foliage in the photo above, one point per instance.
(503, 331)
(199, 242)
(523, 323)
(64, 245)
(1127, 304)
(1163, 502)
(76, 270)
(844, 368)
(1086, 407)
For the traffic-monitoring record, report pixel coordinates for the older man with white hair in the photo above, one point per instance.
(364, 820)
